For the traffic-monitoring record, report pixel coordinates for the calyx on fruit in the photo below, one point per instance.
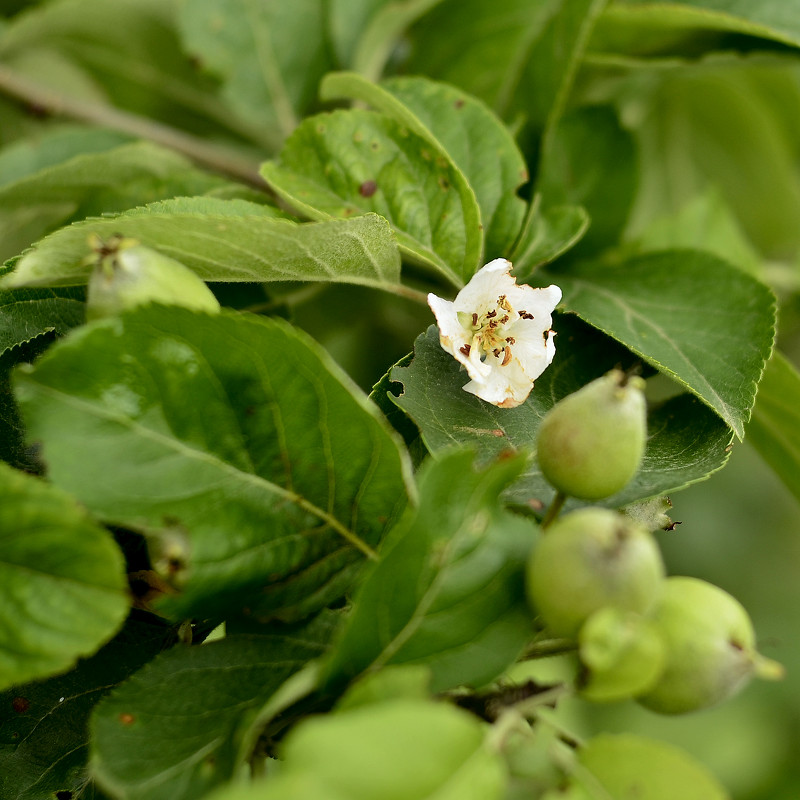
(590, 559)
(129, 274)
(710, 644)
(592, 441)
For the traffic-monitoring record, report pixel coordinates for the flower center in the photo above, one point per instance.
(490, 330)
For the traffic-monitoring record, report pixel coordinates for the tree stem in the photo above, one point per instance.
(53, 102)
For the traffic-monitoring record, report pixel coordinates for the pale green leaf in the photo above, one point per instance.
(95, 183)
(62, 586)
(774, 428)
(629, 767)
(225, 240)
(692, 316)
(448, 591)
(261, 473)
(401, 750)
(174, 729)
(28, 156)
(686, 442)
(466, 132)
(636, 22)
(351, 162)
(126, 52)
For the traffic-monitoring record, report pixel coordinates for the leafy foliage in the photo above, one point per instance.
(326, 592)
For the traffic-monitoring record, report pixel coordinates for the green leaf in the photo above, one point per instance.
(692, 316)
(174, 729)
(225, 240)
(486, 47)
(253, 47)
(591, 162)
(350, 162)
(365, 32)
(401, 750)
(448, 591)
(635, 21)
(28, 156)
(628, 767)
(127, 53)
(62, 587)
(263, 475)
(44, 726)
(687, 441)
(465, 131)
(774, 428)
(92, 184)
(549, 232)
(28, 313)
(686, 148)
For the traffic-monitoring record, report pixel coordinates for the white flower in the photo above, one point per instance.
(500, 332)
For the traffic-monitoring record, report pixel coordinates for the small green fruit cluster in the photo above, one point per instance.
(597, 576)
(127, 274)
(676, 644)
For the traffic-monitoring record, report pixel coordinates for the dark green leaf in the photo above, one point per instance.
(44, 726)
(465, 131)
(226, 240)
(774, 429)
(692, 316)
(591, 162)
(628, 767)
(262, 472)
(351, 162)
(486, 47)
(92, 184)
(268, 80)
(62, 587)
(448, 591)
(175, 729)
(687, 441)
(550, 231)
(365, 32)
(27, 313)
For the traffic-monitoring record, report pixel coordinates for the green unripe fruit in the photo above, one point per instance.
(622, 654)
(591, 443)
(710, 643)
(590, 559)
(128, 274)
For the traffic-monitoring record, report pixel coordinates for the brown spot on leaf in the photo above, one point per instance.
(20, 704)
(127, 718)
(368, 188)
(459, 103)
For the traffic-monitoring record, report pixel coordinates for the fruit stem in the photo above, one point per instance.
(554, 510)
(548, 647)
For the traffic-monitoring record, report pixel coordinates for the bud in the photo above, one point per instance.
(710, 644)
(128, 274)
(622, 654)
(591, 442)
(590, 559)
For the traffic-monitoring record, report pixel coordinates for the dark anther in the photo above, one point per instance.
(465, 349)
(474, 320)
(492, 314)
